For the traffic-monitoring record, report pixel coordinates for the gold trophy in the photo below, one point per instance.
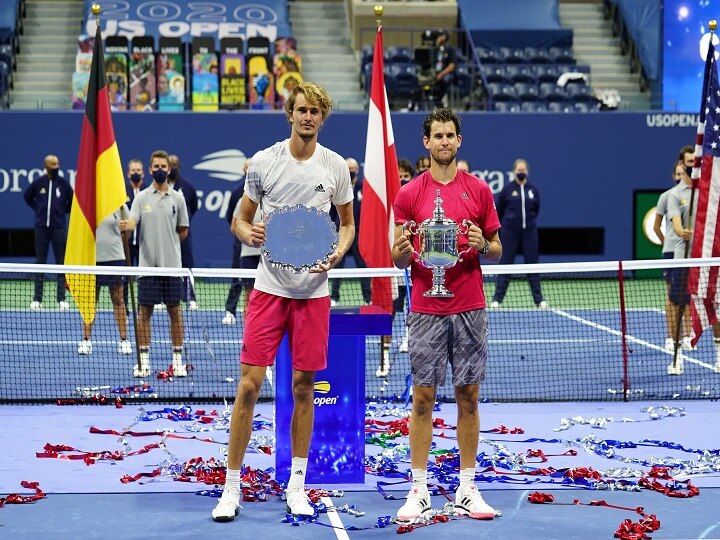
(438, 246)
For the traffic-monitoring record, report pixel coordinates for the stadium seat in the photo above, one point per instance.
(8, 56)
(403, 79)
(506, 106)
(562, 55)
(536, 55)
(497, 73)
(521, 73)
(366, 56)
(366, 76)
(557, 106)
(585, 107)
(546, 74)
(579, 93)
(533, 106)
(526, 91)
(551, 92)
(401, 55)
(501, 92)
(463, 80)
(511, 55)
(460, 55)
(488, 56)
(4, 85)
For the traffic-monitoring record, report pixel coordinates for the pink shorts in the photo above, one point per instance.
(307, 322)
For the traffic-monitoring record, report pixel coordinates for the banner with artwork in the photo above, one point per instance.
(170, 75)
(232, 74)
(287, 67)
(142, 74)
(205, 88)
(261, 80)
(116, 71)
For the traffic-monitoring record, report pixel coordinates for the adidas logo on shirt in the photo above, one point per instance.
(320, 189)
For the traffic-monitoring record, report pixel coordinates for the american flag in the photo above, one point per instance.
(703, 284)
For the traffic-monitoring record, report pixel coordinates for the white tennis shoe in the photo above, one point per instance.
(469, 502)
(125, 346)
(229, 319)
(179, 369)
(228, 506)
(298, 503)
(85, 347)
(416, 505)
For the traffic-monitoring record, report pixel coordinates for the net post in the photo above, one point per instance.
(623, 326)
(131, 287)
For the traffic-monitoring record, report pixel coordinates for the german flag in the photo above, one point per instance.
(99, 184)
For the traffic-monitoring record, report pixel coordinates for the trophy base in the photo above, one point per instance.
(438, 292)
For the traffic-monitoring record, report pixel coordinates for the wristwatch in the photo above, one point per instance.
(486, 248)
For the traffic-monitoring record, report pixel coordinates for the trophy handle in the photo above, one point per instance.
(412, 228)
(463, 229)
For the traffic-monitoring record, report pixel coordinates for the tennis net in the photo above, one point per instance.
(602, 336)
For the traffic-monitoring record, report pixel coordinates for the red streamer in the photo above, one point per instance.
(16, 498)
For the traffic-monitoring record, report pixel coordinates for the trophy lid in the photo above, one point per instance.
(438, 213)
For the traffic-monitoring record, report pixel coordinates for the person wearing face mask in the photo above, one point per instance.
(518, 205)
(669, 239)
(354, 251)
(135, 184)
(406, 173)
(246, 257)
(50, 196)
(180, 184)
(164, 217)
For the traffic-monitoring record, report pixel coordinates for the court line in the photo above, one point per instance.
(335, 520)
(109, 342)
(633, 339)
(544, 341)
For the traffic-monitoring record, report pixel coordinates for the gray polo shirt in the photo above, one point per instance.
(671, 239)
(160, 214)
(679, 205)
(248, 251)
(108, 238)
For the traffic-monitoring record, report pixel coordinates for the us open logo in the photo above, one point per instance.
(323, 387)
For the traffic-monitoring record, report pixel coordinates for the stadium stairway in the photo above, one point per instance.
(47, 58)
(323, 36)
(594, 45)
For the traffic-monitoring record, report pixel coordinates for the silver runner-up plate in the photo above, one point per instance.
(297, 237)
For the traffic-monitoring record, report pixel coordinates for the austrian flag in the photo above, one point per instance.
(381, 183)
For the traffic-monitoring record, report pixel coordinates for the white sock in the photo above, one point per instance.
(467, 478)
(298, 468)
(419, 478)
(232, 479)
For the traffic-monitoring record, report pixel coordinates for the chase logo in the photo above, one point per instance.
(323, 387)
(224, 164)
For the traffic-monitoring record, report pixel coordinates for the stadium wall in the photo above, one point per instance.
(587, 166)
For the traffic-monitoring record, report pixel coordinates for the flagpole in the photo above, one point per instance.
(96, 9)
(712, 26)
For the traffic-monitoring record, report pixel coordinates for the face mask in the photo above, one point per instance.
(688, 171)
(172, 175)
(160, 176)
(136, 178)
(53, 173)
(521, 176)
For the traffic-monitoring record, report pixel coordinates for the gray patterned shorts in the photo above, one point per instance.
(435, 340)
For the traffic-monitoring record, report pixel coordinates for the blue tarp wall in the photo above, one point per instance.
(586, 165)
(644, 24)
(514, 23)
